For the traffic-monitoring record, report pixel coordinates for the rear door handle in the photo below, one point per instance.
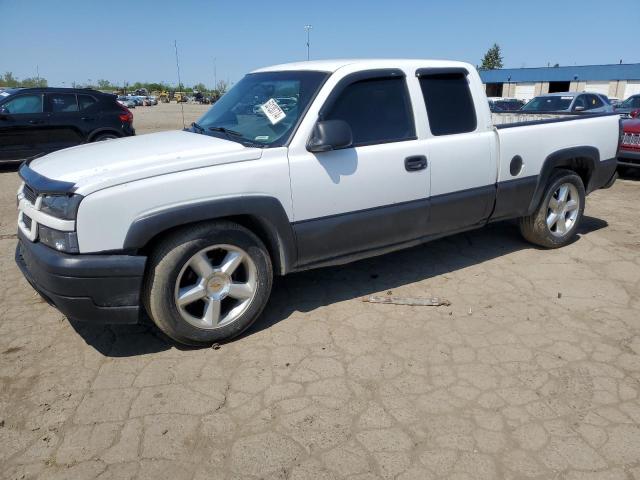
(415, 163)
(36, 122)
(87, 119)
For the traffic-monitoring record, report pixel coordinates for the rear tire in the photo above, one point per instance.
(555, 221)
(207, 283)
(105, 136)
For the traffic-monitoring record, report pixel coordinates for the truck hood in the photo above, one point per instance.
(95, 166)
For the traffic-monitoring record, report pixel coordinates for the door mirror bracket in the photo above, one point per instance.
(330, 135)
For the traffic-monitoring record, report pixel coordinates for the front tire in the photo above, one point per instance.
(207, 283)
(555, 221)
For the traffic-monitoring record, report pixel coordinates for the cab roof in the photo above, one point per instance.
(365, 63)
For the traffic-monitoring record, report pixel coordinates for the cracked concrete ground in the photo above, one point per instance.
(532, 372)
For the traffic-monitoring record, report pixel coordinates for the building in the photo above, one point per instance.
(616, 81)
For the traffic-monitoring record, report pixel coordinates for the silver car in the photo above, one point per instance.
(573, 102)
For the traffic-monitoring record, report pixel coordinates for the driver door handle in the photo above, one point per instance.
(415, 163)
(36, 122)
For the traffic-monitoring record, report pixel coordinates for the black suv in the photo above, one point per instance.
(41, 120)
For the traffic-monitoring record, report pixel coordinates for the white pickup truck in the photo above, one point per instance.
(298, 166)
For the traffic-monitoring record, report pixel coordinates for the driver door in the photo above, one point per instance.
(373, 194)
(23, 127)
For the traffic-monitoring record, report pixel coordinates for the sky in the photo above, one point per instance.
(133, 40)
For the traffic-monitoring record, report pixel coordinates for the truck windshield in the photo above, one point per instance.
(549, 104)
(263, 108)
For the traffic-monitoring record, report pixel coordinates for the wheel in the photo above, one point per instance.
(105, 136)
(207, 283)
(555, 221)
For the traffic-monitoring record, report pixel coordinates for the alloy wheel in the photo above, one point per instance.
(216, 286)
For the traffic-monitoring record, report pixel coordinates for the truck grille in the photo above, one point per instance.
(632, 139)
(29, 194)
(27, 221)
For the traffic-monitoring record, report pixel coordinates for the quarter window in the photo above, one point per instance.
(63, 102)
(377, 110)
(24, 104)
(87, 103)
(449, 103)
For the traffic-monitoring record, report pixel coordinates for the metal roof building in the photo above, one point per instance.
(616, 81)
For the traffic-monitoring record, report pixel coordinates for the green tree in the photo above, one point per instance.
(492, 59)
(33, 82)
(200, 87)
(105, 85)
(221, 88)
(8, 80)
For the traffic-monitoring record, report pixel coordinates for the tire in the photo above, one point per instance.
(104, 136)
(546, 227)
(183, 295)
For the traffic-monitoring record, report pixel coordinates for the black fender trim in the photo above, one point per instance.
(264, 213)
(586, 159)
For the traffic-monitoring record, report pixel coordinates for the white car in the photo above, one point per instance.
(373, 156)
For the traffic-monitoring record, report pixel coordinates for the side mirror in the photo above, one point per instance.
(330, 135)
(579, 108)
(635, 114)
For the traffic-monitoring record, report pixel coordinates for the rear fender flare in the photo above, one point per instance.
(584, 159)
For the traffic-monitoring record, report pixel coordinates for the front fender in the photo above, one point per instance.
(264, 211)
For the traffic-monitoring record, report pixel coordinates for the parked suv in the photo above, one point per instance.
(36, 121)
(372, 156)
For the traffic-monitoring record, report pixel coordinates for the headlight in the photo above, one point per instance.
(61, 206)
(61, 241)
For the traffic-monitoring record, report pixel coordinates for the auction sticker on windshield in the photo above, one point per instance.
(273, 111)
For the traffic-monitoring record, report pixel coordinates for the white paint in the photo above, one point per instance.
(632, 88)
(597, 87)
(123, 180)
(525, 91)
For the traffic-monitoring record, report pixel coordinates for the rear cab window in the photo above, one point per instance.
(378, 110)
(448, 100)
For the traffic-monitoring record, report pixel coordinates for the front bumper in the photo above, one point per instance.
(93, 288)
(629, 158)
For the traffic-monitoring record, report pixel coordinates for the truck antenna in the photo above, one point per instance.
(175, 44)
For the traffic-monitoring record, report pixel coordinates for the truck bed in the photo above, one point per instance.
(518, 118)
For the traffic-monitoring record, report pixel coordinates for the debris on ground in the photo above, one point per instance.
(419, 302)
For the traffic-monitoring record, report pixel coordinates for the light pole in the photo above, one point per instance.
(308, 29)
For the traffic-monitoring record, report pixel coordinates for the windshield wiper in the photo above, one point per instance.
(225, 131)
(237, 136)
(197, 127)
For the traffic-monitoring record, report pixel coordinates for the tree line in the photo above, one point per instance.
(8, 80)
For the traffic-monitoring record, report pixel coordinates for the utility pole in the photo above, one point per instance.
(215, 74)
(308, 29)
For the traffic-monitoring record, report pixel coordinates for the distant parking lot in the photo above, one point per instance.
(532, 372)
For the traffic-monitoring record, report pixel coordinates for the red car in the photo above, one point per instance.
(629, 155)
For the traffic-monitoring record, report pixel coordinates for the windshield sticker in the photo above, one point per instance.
(4, 94)
(273, 111)
(262, 138)
(566, 98)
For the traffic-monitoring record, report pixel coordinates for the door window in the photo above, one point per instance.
(377, 110)
(581, 101)
(593, 101)
(24, 104)
(88, 104)
(63, 102)
(449, 103)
